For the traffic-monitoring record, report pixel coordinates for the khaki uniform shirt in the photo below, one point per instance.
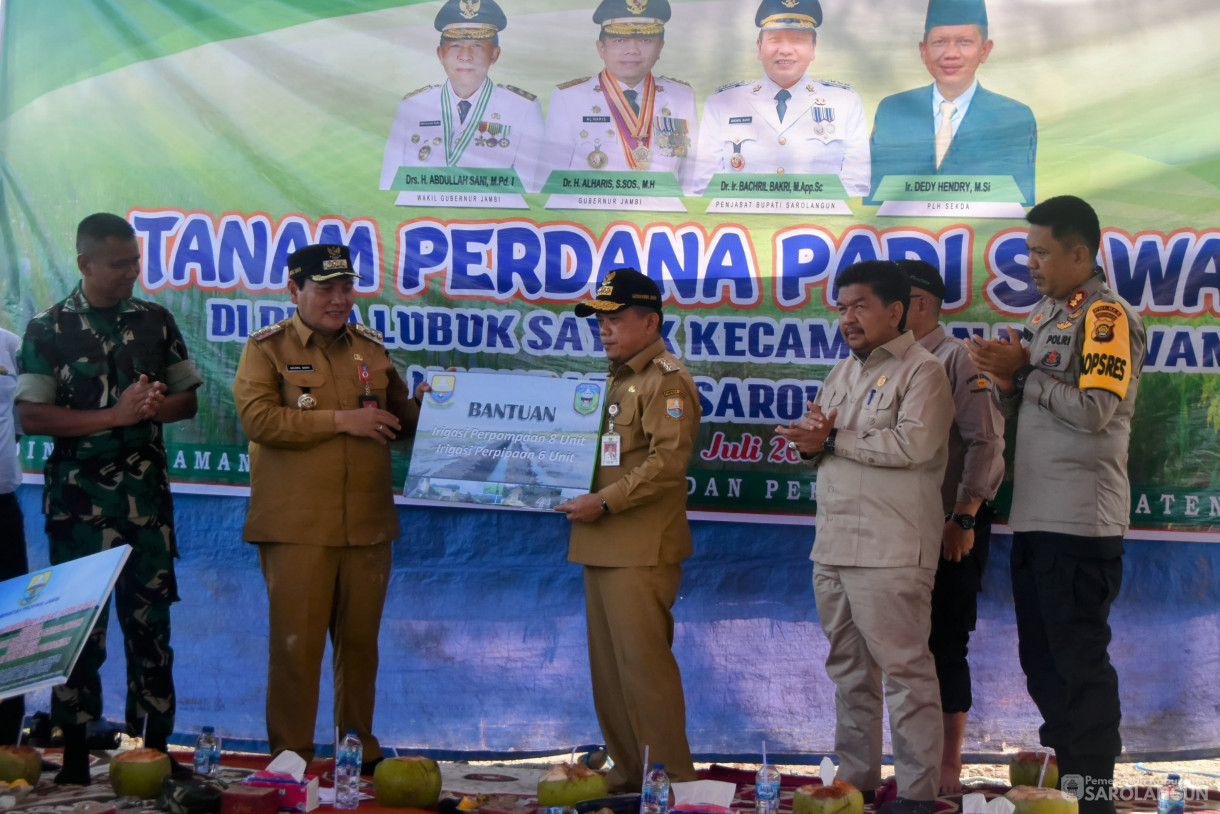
(658, 417)
(1074, 415)
(879, 493)
(975, 468)
(308, 483)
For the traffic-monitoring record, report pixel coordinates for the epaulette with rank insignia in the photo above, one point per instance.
(674, 79)
(270, 330)
(524, 94)
(573, 83)
(835, 84)
(418, 91)
(664, 365)
(730, 86)
(367, 332)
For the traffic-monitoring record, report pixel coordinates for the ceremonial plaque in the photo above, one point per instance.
(46, 615)
(512, 440)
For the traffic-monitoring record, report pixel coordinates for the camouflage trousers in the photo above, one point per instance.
(145, 589)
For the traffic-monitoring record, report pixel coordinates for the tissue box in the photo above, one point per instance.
(249, 800)
(295, 795)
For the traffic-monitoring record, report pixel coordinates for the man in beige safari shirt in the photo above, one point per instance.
(878, 433)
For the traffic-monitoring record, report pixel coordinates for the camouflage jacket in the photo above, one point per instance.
(80, 357)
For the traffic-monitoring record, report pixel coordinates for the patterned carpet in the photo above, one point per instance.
(99, 798)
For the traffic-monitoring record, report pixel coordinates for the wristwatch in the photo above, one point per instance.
(966, 521)
(606, 507)
(828, 446)
(1022, 373)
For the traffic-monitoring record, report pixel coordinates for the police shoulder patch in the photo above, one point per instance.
(571, 83)
(675, 79)
(666, 365)
(524, 94)
(833, 84)
(367, 332)
(1106, 355)
(270, 330)
(730, 86)
(418, 91)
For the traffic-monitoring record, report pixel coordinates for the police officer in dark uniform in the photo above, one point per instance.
(1070, 380)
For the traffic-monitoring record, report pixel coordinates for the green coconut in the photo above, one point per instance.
(840, 797)
(139, 772)
(567, 784)
(20, 763)
(1038, 800)
(1024, 768)
(407, 782)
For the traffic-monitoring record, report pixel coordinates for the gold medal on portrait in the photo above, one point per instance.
(598, 159)
(424, 152)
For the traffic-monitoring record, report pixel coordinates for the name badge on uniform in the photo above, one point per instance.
(611, 448)
(362, 373)
(611, 451)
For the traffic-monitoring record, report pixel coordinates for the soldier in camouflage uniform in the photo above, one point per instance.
(100, 373)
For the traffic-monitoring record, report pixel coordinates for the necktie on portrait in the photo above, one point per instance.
(463, 109)
(945, 134)
(781, 103)
(633, 98)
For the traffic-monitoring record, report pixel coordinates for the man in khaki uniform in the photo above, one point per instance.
(631, 535)
(1070, 381)
(320, 400)
(878, 433)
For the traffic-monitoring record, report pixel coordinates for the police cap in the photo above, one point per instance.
(955, 12)
(470, 20)
(802, 15)
(321, 262)
(924, 276)
(621, 289)
(632, 18)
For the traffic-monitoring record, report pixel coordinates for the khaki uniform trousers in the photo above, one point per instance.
(637, 687)
(313, 590)
(878, 621)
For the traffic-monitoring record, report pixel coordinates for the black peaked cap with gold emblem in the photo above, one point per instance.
(321, 262)
(470, 20)
(621, 289)
(802, 15)
(633, 18)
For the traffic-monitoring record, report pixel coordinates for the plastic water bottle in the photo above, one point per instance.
(654, 797)
(207, 753)
(766, 790)
(348, 759)
(1171, 799)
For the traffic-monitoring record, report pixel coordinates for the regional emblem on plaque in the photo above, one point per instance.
(443, 386)
(587, 399)
(35, 587)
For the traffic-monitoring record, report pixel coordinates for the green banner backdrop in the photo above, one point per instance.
(231, 132)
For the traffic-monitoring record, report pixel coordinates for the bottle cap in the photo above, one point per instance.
(207, 730)
(658, 765)
(352, 732)
(1174, 776)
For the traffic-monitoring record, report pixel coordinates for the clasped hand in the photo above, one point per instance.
(809, 433)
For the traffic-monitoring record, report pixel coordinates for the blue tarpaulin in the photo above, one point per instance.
(483, 643)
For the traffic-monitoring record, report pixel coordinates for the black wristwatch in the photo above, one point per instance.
(605, 506)
(1018, 378)
(966, 521)
(828, 446)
